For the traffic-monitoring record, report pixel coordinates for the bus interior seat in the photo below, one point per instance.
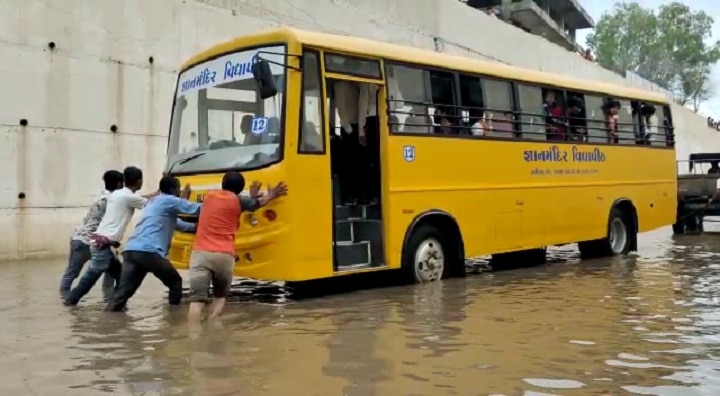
(417, 122)
(394, 123)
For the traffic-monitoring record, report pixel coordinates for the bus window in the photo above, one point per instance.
(626, 123)
(499, 108)
(445, 114)
(596, 130)
(532, 119)
(664, 131)
(311, 121)
(471, 99)
(411, 110)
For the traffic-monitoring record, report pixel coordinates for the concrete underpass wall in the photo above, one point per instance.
(99, 75)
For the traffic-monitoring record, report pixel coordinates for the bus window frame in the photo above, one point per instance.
(332, 71)
(388, 62)
(321, 88)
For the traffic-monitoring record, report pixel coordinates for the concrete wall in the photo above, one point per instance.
(99, 74)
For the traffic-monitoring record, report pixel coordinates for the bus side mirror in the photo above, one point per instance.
(264, 79)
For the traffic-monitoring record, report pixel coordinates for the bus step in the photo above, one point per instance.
(355, 267)
(370, 231)
(344, 231)
(371, 212)
(351, 254)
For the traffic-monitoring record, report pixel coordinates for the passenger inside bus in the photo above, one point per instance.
(646, 112)
(577, 119)
(612, 110)
(554, 116)
(444, 119)
(478, 123)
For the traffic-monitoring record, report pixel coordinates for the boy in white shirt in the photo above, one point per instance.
(80, 239)
(121, 205)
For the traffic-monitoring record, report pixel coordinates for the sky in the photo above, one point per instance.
(597, 7)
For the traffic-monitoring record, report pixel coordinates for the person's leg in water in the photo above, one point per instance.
(223, 266)
(100, 261)
(200, 278)
(79, 255)
(162, 268)
(111, 279)
(132, 276)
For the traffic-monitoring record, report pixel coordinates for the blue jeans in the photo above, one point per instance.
(79, 255)
(102, 261)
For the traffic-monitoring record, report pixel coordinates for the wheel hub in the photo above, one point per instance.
(618, 236)
(429, 261)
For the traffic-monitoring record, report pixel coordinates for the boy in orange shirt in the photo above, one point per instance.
(213, 256)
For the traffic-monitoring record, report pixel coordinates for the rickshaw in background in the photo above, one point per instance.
(696, 184)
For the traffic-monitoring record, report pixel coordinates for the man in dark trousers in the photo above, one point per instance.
(147, 248)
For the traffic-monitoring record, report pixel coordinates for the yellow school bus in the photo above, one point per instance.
(476, 158)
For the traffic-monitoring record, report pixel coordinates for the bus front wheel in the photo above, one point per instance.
(426, 255)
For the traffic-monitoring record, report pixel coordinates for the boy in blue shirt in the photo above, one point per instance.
(146, 250)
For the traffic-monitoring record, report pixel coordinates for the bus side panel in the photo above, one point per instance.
(512, 195)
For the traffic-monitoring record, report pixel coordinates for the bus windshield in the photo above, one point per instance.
(219, 120)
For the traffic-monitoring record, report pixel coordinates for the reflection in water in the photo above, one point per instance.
(648, 324)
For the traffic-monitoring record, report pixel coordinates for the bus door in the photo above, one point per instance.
(354, 87)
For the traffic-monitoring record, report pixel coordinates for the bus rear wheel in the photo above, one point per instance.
(619, 240)
(426, 255)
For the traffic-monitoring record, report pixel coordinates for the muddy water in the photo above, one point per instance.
(647, 325)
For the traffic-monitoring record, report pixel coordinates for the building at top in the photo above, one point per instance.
(556, 20)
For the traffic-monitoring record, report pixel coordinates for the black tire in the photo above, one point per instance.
(424, 240)
(613, 244)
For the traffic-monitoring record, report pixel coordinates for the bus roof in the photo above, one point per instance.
(371, 48)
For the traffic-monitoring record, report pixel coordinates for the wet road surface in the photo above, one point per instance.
(648, 324)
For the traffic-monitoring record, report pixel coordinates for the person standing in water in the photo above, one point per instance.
(213, 256)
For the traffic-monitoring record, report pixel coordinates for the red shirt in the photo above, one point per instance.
(557, 131)
(218, 222)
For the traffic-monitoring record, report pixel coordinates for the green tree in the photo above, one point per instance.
(670, 47)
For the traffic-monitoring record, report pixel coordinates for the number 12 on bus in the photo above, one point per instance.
(458, 157)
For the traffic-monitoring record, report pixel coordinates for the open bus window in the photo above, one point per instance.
(218, 110)
(594, 108)
(626, 123)
(473, 108)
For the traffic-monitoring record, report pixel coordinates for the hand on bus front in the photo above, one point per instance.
(255, 190)
(277, 191)
(185, 193)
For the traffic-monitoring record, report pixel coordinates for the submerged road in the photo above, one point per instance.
(648, 324)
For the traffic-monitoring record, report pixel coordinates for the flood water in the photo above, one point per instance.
(648, 324)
